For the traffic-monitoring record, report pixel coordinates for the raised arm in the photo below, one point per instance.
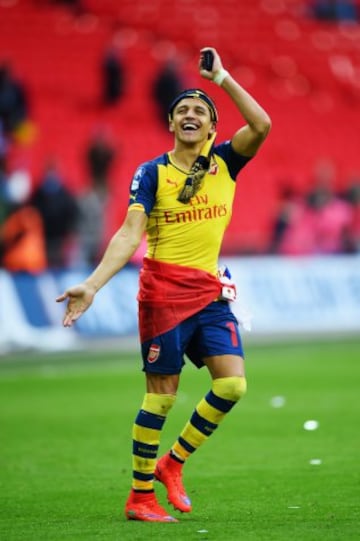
(120, 248)
(248, 139)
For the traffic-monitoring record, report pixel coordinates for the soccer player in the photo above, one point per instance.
(183, 200)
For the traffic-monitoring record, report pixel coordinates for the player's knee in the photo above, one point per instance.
(231, 388)
(159, 404)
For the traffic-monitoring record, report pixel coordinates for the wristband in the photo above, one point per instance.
(220, 76)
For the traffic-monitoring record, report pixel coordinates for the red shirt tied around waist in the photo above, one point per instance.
(183, 201)
(170, 294)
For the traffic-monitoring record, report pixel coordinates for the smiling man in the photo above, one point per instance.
(183, 201)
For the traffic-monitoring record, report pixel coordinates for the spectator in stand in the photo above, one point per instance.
(112, 77)
(293, 233)
(167, 84)
(13, 101)
(335, 10)
(99, 156)
(22, 241)
(77, 6)
(4, 200)
(59, 210)
(91, 227)
(4, 146)
(331, 218)
(353, 196)
(289, 205)
(319, 224)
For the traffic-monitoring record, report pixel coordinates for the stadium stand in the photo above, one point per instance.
(305, 72)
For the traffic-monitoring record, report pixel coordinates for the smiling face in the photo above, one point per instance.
(191, 121)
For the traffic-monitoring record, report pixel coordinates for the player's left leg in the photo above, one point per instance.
(228, 387)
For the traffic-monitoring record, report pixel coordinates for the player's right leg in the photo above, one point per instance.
(142, 503)
(145, 507)
(160, 356)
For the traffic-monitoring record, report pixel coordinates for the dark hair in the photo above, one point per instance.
(195, 93)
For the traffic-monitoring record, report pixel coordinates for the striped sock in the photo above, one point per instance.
(146, 438)
(208, 414)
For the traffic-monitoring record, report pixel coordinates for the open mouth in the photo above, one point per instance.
(189, 126)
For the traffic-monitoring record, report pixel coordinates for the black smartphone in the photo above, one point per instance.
(207, 60)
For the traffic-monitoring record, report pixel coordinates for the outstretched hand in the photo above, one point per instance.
(80, 297)
(217, 64)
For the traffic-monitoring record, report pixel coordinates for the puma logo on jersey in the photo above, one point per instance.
(169, 181)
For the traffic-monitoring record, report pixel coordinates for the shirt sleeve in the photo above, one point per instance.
(235, 162)
(143, 187)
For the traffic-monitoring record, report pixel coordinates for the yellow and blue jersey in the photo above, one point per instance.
(190, 234)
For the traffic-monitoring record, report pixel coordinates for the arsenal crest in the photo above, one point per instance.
(154, 352)
(213, 169)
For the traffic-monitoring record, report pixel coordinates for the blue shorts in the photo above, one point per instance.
(212, 331)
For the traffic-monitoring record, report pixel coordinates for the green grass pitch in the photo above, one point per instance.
(65, 449)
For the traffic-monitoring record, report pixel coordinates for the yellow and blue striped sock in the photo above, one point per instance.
(208, 414)
(146, 438)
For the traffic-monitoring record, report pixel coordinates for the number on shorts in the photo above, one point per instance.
(233, 333)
